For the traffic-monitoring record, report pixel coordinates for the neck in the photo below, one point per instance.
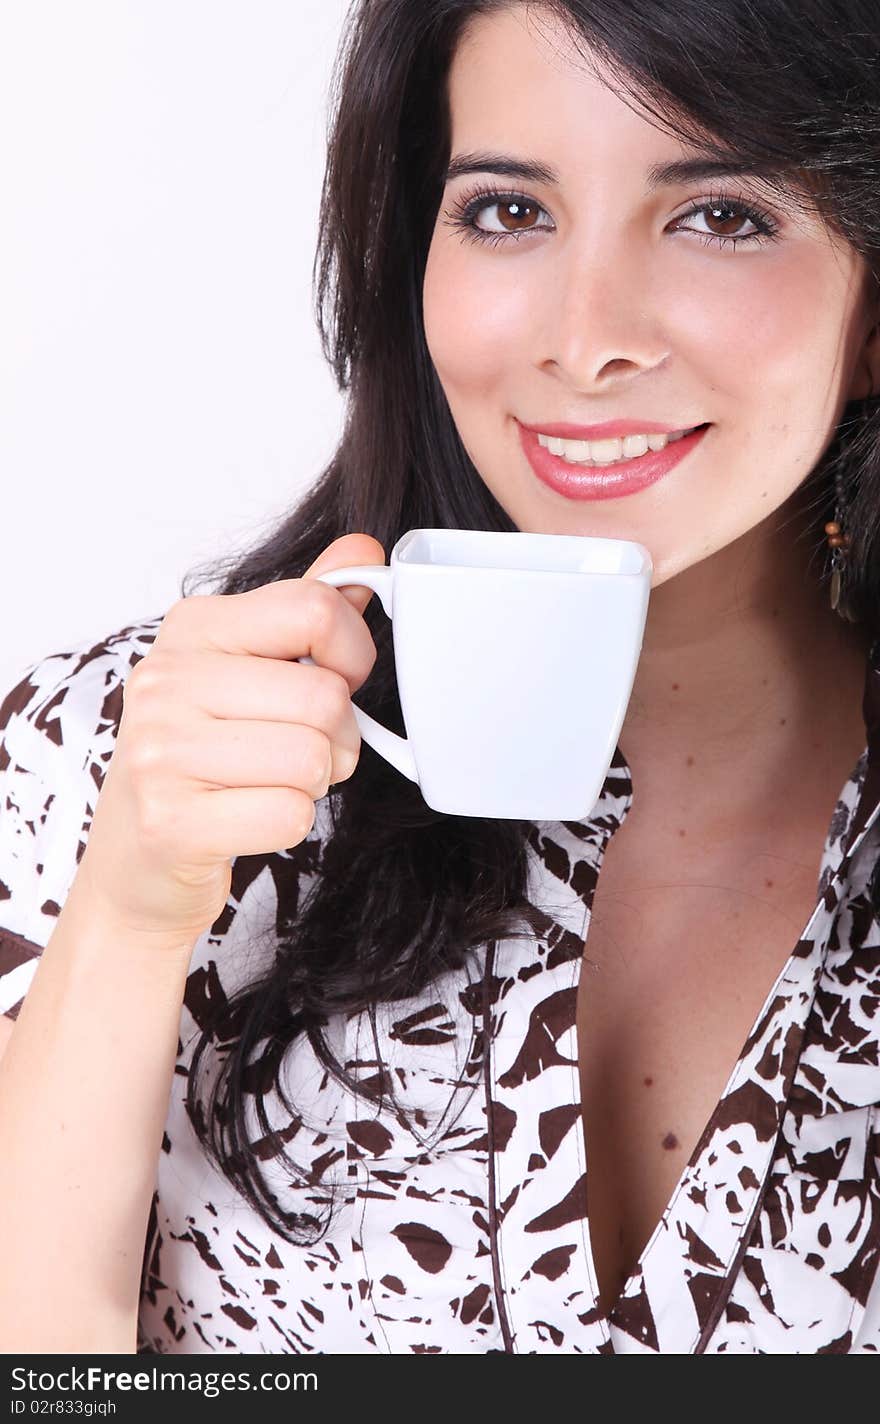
(747, 678)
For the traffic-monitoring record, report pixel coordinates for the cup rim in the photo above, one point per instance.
(401, 551)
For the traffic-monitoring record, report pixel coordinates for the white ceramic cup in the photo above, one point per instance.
(515, 657)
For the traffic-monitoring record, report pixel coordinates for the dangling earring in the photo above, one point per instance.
(838, 544)
(838, 539)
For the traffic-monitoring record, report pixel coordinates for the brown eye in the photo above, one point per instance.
(728, 218)
(724, 220)
(515, 216)
(492, 217)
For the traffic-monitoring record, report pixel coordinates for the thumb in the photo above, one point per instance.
(349, 549)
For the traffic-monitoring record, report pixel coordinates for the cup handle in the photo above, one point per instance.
(388, 744)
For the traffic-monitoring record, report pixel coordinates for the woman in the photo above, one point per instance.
(349, 1086)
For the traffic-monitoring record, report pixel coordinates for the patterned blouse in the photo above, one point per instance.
(466, 1229)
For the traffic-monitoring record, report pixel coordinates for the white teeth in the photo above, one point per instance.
(608, 452)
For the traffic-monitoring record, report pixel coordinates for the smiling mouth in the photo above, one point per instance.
(607, 478)
(601, 453)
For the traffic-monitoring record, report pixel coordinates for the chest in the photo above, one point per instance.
(673, 980)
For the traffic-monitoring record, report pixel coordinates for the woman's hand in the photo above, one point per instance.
(225, 743)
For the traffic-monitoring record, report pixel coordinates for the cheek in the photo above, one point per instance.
(475, 320)
(764, 329)
(803, 359)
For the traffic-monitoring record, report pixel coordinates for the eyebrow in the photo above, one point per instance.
(684, 170)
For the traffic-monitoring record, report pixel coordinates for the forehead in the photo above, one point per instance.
(522, 71)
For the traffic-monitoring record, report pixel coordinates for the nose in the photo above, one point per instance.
(600, 323)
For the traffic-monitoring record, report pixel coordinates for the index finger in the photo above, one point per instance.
(291, 618)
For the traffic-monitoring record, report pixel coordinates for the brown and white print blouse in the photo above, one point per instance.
(466, 1230)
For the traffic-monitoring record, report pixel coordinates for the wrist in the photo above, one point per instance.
(92, 914)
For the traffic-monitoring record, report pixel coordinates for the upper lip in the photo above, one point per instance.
(606, 430)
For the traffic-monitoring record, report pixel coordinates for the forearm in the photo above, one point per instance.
(84, 1089)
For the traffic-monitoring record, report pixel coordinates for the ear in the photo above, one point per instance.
(866, 376)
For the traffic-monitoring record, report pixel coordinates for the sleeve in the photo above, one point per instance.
(58, 728)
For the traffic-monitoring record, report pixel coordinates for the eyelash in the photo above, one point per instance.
(463, 213)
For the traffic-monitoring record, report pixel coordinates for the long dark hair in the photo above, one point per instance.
(402, 894)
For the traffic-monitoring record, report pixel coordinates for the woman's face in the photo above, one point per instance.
(590, 296)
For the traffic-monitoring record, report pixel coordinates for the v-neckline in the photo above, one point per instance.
(697, 1234)
(678, 1287)
(685, 1216)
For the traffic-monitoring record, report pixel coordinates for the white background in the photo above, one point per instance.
(163, 396)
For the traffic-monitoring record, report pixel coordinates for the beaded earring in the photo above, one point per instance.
(838, 539)
(838, 544)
